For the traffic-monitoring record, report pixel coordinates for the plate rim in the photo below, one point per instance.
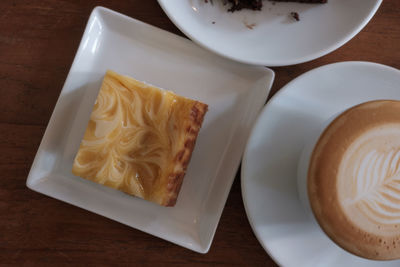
(265, 110)
(299, 60)
(202, 246)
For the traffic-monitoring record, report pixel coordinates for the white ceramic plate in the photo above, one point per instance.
(269, 166)
(234, 92)
(275, 39)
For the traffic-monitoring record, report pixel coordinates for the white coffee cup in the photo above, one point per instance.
(304, 162)
(351, 165)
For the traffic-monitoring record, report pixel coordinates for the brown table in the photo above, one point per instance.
(38, 41)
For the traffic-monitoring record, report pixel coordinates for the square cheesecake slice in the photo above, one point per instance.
(139, 139)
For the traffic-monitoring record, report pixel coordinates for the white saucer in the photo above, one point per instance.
(271, 37)
(234, 92)
(269, 167)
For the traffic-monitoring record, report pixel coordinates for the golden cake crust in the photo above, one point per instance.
(182, 158)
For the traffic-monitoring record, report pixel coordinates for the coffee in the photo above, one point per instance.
(354, 180)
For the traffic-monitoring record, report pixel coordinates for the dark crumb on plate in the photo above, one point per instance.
(295, 15)
(248, 4)
(213, 22)
(304, 1)
(237, 5)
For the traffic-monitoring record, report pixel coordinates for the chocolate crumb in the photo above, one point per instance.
(244, 4)
(295, 15)
(236, 5)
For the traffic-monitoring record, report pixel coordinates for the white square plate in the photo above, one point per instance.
(234, 92)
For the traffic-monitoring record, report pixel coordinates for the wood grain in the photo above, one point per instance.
(38, 41)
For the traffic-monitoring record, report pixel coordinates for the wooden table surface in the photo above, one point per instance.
(38, 41)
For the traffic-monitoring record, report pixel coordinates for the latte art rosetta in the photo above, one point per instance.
(353, 181)
(377, 186)
(370, 170)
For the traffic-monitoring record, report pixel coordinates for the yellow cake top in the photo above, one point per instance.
(138, 139)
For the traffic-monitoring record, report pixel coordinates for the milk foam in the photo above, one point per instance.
(368, 179)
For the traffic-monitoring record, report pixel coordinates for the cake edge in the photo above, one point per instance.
(182, 158)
